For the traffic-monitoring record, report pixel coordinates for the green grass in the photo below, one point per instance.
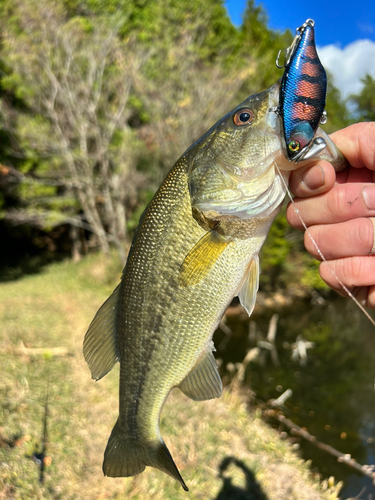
(223, 452)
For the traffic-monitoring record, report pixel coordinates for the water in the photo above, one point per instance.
(333, 387)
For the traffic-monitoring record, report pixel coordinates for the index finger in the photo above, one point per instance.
(342, 203)
(357, 144)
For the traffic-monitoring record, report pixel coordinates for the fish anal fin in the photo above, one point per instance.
(202, 258)
(125, 457)
(249, 288)
(203, 381)
(100, 345)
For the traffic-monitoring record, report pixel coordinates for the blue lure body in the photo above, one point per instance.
(303, 93)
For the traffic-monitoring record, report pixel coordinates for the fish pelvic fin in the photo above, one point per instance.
(250, 285)
(124, 457)
(203, 381)
(202, 258)
(100, 344)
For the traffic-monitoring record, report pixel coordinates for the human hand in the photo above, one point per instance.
(339, 210)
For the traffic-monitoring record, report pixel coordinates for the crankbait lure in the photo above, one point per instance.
(303, 96)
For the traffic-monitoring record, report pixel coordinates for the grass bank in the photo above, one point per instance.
(223, 452)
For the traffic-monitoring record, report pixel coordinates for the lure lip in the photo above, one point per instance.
(314, 148)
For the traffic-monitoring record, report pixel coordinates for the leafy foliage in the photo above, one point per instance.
(365, 100)
(337, 112)
(262, 44)
(75, 80)
(99, 98)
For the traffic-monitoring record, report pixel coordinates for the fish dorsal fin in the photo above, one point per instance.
(100, 345)
(202, 257)
(203, 381)
(248, 291)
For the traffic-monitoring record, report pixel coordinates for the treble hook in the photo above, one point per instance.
(290, 50)
(278, 57)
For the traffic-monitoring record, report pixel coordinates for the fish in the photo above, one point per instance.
(195, 248)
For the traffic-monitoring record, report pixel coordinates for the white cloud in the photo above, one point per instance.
(349, 65)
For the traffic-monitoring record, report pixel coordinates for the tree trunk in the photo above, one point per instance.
(76, 243)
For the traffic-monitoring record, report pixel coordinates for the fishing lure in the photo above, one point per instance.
(302, 96)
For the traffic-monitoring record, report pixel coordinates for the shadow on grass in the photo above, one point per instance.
(229, 491)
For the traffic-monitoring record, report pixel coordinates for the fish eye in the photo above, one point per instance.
(243, 117)
(294, 146)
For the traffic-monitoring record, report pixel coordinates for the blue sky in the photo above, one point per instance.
(336, 22)
(345, 33)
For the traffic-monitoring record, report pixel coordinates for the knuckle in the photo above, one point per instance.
(337, 202)
(350, 270)
(291, 216)
(365, 133)
(347, 271)
(357, 271)
(365, 234)
(310, 237)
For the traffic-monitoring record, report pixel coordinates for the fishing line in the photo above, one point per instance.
(296, 210)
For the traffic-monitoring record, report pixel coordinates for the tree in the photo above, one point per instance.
(75, 76)
(261, 44)
(99, 98)
(187, 94)
(337, 112)
(365, 100)
(84, 79)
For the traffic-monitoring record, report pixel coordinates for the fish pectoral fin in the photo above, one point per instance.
(203, 381)
(249, 288)
(100, 345)
(202, 257)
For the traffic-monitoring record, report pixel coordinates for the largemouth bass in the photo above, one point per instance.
(195, 248)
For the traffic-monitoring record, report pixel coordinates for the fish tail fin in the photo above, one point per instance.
(126, 457)
(122, 456)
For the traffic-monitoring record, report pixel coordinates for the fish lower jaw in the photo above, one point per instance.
(284, 164)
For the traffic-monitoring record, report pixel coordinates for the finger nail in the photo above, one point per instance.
(313, 177)
(369, 197)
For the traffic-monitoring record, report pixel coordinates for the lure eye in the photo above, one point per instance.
(243, 117)
(294, 146)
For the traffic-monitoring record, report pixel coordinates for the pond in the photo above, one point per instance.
(325, 353)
